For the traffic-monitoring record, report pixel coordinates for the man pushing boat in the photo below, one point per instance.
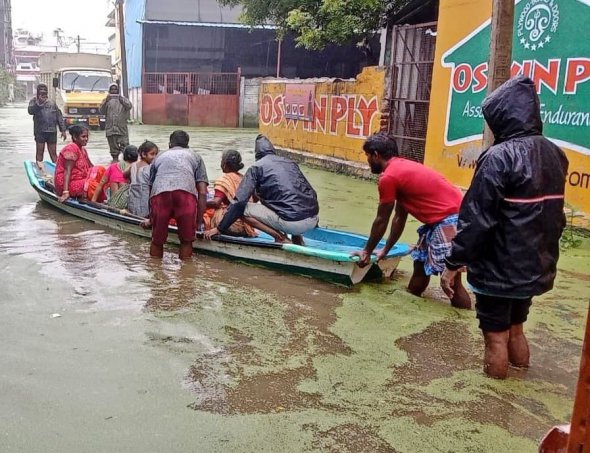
(411, 188)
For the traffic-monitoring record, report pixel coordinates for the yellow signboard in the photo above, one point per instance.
(545, 48)
(332, 117)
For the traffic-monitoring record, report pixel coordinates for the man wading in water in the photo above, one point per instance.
(510, 223)
(47, 117)
(412, 188)
(116, 108)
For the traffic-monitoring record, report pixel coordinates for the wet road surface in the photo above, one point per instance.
(215, 356)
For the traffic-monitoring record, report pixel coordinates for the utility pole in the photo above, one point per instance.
(78, 43)
(279, 48)
(500, 60)
(121, 28)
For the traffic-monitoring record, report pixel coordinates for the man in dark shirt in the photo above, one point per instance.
(288, 203)
(47, 118)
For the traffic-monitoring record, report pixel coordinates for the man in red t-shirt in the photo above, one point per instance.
(412, 188)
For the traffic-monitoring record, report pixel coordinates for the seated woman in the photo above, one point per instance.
(75, 176)
(115, 180)
(225, 191)
(139, 175)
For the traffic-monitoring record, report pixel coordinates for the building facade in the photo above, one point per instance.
(198, 48)
(447, 61)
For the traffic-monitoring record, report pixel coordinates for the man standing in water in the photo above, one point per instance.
(510, 223)
(47, 118)
(412, 188)
(178, 180)
(116, 109)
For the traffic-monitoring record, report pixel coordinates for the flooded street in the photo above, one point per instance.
(215, 356)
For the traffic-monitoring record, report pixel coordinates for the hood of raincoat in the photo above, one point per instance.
(263, 147)
(513, 110)
(512, 216)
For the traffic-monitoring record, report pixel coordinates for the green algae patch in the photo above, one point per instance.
(376, 367)
(371, 323)
(450, 436)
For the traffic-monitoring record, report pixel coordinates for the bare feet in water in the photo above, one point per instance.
(298, 240)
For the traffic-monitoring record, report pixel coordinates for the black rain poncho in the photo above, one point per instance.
(512, 216)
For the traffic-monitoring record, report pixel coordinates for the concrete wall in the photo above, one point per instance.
(249, 101)
(345, 113)
(135, 97)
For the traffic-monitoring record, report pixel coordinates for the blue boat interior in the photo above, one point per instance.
(320, 242)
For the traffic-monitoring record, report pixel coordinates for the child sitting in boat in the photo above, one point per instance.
(75, 175)
(225, 191)
(115, 181)
(289, 203)
(139, 176)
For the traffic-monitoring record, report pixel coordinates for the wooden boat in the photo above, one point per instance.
(326, 254)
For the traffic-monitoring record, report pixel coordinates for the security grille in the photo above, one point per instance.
(412, 63)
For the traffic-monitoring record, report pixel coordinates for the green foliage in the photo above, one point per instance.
(317, 23)
(569, 238)
(5, 80)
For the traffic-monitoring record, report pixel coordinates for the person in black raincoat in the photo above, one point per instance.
(510, 223)
(288, 203)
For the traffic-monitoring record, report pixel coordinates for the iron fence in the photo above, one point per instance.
(224, 83)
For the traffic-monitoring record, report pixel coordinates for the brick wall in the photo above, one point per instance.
(345, 113)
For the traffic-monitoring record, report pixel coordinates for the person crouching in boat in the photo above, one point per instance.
(75, 176)
(289, 205)
(225, 190)
(114, 179)
(138, 174)
(178, 180)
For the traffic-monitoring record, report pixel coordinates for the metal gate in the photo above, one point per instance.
(411, 63)
(191, 99)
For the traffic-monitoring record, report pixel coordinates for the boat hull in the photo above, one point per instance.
(304, 261)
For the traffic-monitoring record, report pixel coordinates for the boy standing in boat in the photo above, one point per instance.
(178, 180)
(411, 188)
(47, 118)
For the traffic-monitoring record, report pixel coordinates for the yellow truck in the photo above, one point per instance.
(78, 83)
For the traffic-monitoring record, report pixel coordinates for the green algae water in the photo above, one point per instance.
(215, 356)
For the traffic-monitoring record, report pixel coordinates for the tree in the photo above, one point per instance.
(317, 23)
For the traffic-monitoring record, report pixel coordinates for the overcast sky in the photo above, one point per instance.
(83, 17)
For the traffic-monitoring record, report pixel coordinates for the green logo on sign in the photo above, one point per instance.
(547, 48)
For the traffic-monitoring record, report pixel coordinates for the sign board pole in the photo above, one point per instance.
(579, 438)
(500, 52)
(121, 25)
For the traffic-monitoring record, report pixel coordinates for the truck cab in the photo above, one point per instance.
(80, 83)
(79, 93)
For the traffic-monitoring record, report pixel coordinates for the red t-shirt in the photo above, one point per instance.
(423, 192)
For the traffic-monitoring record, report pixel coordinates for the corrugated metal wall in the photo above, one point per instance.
(134, 11)
(191, 99)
